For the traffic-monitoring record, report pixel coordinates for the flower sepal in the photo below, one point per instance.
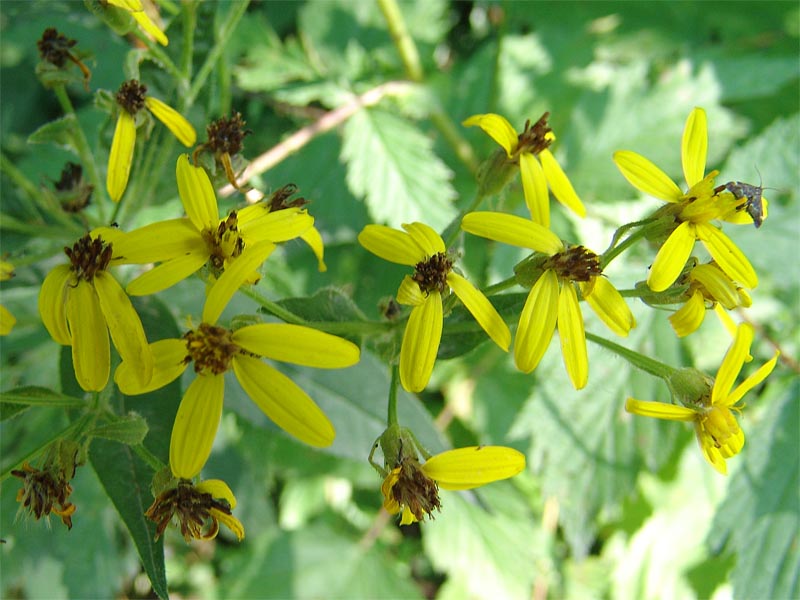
(528, 271)
(495, 173)
(691, 387)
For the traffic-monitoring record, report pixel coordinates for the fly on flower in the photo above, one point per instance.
(755, 204)
(421, 247)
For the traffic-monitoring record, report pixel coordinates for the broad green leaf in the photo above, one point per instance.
(126, 479)
(270, 67)
(492, 554)
(327, 304)
(319, 561)
(129, 430)
(391, 165)
(38, 396)
(760, 517)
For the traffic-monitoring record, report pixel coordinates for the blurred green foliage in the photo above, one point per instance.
(610, 506)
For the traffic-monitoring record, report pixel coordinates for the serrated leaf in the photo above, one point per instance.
(327, 304)
(267, 68)
(319, 561)
(126, 479)
(60, 132)
(760, 517)
(392, 166)
(129, 430)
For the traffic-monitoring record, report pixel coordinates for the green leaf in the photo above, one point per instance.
(130, 430)
(320, 561)
(270, 67)
(126, 479)
(760, 518)
(60, 132)
(38, 396)
(391, 164)
(327, 304)
(490, 554)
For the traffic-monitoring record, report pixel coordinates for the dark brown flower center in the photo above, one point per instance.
(74, 194)
(44, 492)
(533, 139)
(211, 348)
(131, 96)
(89, 256)
(54, 47)
(279, 199)
(576, 263)
(224, 242)
(226, 135)
(431, 274)
(415, 490)
(192, 509)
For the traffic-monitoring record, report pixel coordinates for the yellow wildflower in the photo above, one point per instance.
(184, 245)
(137, 11)
(132, 97)
(692, 211)
(710, 407)
(553, 299)
(421, 247)
(214, 350)
(81, 303)
(537, 175)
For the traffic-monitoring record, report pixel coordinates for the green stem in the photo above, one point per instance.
(403, 41)
(645, 363)
(162, 59)
(500, 286)
(225, 32)
(391, 416)
(151, 459)
(452, 231)
(82, 146)
(189, 25)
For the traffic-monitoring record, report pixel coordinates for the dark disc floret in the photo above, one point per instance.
(534, 138)
(225, 135)
(211, 348)
(576, 263)
(431, 274)
(54, 47)
(89, 256)
(131, 96)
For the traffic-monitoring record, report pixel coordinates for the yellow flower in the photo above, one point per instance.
(522, 150)
(214, 350)
(716, 427)
(7, 320)
(692, 211)
(412, 488)
(183, 246)
(81, 303)
(709, 287)
(132, 97)
(198, 509)
(553, 299)
(421, 247)
(135, 8)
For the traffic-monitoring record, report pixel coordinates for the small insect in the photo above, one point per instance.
(753, 205)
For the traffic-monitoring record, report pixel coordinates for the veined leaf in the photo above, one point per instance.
(129, 430)
(391, 164)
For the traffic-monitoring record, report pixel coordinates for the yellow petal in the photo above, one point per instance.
(537, 322)
(710, 451)
(7, 321)
(725, 319)
(511, 229)
(157, 242)
(534, 187)
(289, 407)
(121, 156)
(174, 121)
(659, 410)
(751, 382)
(313, 238)
(91, 353)
(53, 303)
(6, 270)
(231, 522)
(425, 237)
(729, 258)
(232, 279)
(297, 344)
(719, 285)
(672, 257)
(218, 489)
(694, 147)
(572, 336)
(646, 177)
(148, 26)
(409, 293)
(559, 183)
(609, 305)
(421, 343)
(275, 226)
(166, 274)
(498, 128)
(480, 307)
(197, 195)
(688, 317)
(196, 425)
(466, 468)
(391, 244)
(732, 364)
(124, 325)
(169, 361)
